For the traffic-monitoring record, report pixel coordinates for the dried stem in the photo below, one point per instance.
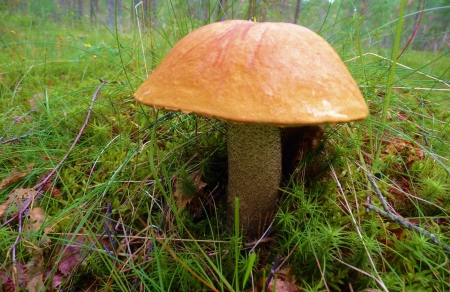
(37, 194)
(388, 214)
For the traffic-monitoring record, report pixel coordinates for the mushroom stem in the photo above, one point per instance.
(254, 173)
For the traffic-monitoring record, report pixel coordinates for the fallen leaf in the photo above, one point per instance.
(37, 100)
(16, 200)
(35, 265)
(15, 176)
(35, 219)
(183, 200)
(407, 149)
(281, 285)
(282, 282)
(36, 284)
(12, 278)
(71, 256)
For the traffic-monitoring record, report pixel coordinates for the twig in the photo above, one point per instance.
(379, 194)
(109, 227)
(407, 88)
(18, 138)
(15, 121)
(39, 186)
(386, 213)
(359, 270)
(349, 210)
(276, 264)
(408, 225)
(191, 271)
(401, 65)
(37, 194)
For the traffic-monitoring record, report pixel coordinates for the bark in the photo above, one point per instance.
(94, 11)
(80, 9)
(297, 11)
(111, 5)
(223, 6)
(264, 10)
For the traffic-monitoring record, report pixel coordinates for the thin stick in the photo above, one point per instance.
(408, 88)
(408, 225)
(379, 194)
(37, 188)
(175, 257)
(276, 264)
(387, 213)
(400, 65)
(140, 34)
(18, 138)
(349, 210)
(15, 121)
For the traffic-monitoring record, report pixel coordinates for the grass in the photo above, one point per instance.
(124, 210)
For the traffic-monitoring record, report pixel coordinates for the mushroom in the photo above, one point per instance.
(258, 77)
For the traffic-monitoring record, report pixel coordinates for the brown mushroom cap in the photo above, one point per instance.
(247, 72)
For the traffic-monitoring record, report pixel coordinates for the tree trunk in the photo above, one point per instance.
(222, 9)
(80, 9)
(111, 4)
(297, 11)
(94, 11)
(264, 10)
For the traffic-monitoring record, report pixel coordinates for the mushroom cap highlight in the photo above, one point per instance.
(248, 72)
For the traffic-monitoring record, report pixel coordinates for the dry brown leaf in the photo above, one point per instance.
(281, 286)
(36, 269)
(71, 256)
(197, 178)
(35, 219)
(13, 278)
(36, 284)
(284, 282)
(183, 200)
(37, 100)
(16, 200)
(15, 176)
(407, 149)
(35, 265)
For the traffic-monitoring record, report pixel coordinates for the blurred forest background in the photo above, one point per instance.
(330, 18)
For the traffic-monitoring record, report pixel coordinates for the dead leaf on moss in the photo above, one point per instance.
(15, 176)
(36, 284)
(36, 269)
(35, 265)
(71, 256)
(183, 200)
(35, 219)
(407, 149)
(13, 278)
(281, 285)
(16, 200)
(282, 282)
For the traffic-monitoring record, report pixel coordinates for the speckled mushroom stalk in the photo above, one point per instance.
(254, 174)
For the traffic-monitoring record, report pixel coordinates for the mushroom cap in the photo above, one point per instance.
(248, 72)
